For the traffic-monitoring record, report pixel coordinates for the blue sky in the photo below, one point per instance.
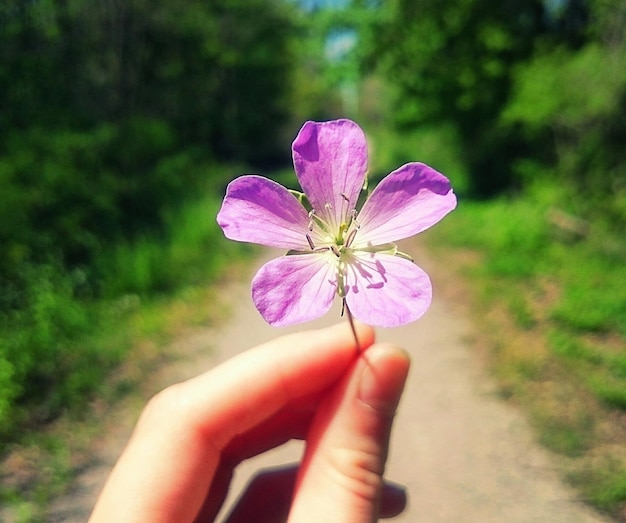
(310, 4)
(339, 43)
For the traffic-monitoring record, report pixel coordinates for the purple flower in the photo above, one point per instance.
(333, 248)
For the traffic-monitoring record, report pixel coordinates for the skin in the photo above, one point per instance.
(314, 385)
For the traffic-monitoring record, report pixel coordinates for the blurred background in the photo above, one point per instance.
(121, 122)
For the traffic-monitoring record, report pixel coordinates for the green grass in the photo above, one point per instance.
(553, 308)
(66, 348)
(548, 294)
(192, 249)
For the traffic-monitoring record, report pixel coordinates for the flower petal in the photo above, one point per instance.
(294, 289)
(259, 210)
(385, 290)
(406, 202)
(330, 160)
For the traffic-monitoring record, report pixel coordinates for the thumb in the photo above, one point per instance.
(341, 474)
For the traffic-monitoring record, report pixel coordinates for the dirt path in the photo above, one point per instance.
(464, 454)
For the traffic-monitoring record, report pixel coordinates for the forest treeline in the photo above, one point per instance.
(107, 108)
(531, 88)
(114, 116)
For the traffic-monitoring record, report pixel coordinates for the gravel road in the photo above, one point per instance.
(465, 455)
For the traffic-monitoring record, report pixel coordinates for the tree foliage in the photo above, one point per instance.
(576, 97)
(450, 61)
(524, 82)
(107, 108)
(113, 117)
(216, 78)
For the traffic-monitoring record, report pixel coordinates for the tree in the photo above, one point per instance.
(107, 108)
(451, 61)
(576, 97)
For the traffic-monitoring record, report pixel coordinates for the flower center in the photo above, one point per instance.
(322, 237)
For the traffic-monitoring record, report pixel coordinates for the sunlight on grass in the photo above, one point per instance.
(553, 309)
(152, 290)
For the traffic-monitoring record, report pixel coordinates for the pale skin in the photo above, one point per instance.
(318, 386)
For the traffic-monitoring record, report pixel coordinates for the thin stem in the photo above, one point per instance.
(351, 322)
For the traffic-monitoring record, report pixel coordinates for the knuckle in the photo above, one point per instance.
(168, 404)
(358, 471)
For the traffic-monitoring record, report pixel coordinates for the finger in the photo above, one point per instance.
(220, 486)
(249, 388)
(291, 422)
(341, 474)
(165, 472)
(271, 433)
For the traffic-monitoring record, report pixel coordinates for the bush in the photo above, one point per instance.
(63, 339)
(573, 101)
(40, 358)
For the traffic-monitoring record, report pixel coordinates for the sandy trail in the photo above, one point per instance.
(464, 454)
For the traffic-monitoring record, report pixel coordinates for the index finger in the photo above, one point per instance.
(248, 388)
(166, 471)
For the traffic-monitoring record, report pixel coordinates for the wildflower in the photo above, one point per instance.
(333, 247)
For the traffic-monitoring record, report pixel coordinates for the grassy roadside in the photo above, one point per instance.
(156, 289)
(549, 298)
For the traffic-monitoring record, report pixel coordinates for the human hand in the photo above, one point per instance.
(312, 385)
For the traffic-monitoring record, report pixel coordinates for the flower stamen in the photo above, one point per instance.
(310, 240)
(351, 237)
(353, 215)
(314, 219)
